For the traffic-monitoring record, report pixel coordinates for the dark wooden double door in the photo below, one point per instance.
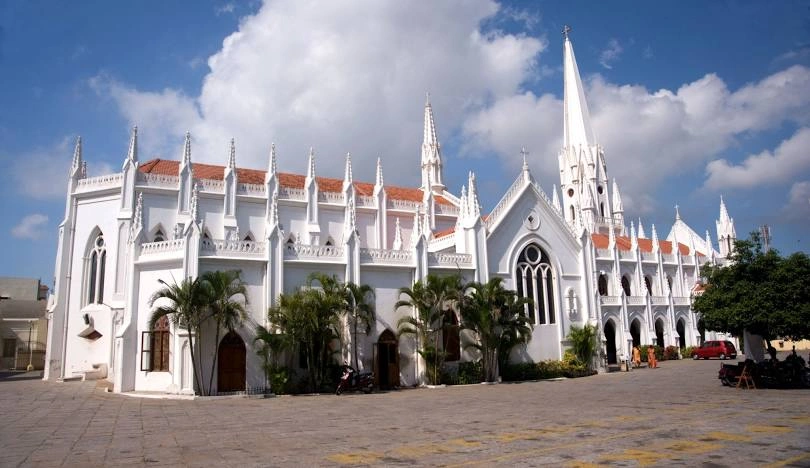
(231, 365)
(386, 361)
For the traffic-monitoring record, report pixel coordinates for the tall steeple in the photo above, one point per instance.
(726, 234)
(431, 153)
(76, 165)
(577, 127)
(583, 172)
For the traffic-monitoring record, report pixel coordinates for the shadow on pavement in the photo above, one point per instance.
(20, 375)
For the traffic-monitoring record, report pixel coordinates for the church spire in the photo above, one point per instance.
(186, 161)
(132, 154)
(232, 155)
(726, 233)
(76, 165)
(347, 172)
(577, 124)
(618, 206)
(431, 153)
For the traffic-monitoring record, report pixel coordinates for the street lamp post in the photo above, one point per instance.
(30, 351)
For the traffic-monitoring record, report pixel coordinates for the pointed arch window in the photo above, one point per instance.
(248, 238)
(573, 214)
(159, 236)
(155, 347)
(535, 280)
(603, 285)
(626, 285)
(96, 263)
(648, 283)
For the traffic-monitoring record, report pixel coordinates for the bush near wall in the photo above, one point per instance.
(687, 352)
(549, 369)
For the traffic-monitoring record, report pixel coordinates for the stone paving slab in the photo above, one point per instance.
(676, 415)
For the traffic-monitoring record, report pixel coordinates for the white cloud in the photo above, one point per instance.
(43, 172)
(798, 206)
(647, 136)
(790, 158)
(610, 54)
(304, 74)
(226, 8)
(30, 227)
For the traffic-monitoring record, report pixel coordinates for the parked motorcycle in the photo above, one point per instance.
(352, 380)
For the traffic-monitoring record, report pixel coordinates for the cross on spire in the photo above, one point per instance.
(566, 30)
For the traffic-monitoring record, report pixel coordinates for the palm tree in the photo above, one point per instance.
(184, 305)
(432, 299)
(495, 315)
(360, 308)
(311, 318)
(270, 346)
(227, 298)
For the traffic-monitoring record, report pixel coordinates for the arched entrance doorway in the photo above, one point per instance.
(702, 332)
(659, 333)
(231, 364)
(681, 329)
(386, 360)
(610, 337)
(635, 332)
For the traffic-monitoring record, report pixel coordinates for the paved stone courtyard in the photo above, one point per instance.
(678, 414)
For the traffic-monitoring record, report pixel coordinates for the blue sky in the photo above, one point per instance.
(691, 100)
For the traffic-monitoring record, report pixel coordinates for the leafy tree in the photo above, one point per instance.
(496, 316)
(226, 296)
(360, 310)
(762, 292)
(185, 304)
(583, 340)
(432, 298)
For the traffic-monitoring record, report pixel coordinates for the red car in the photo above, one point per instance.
(718, 349)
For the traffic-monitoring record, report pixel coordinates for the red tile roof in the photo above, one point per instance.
(254, 176)
(444, 232)
(601, 241)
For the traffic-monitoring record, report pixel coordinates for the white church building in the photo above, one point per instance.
(570, 249)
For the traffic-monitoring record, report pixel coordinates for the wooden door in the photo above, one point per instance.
(231, 364)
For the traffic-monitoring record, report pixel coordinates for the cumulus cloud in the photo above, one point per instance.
(30, 227)
(648, 136)
(798, 206)
(768, 167)
(42, 173)
(304, 74)
(610, 54)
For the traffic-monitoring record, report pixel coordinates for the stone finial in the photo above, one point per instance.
(641, 233)
(232, 155)
(397, 236)
(472, 198)
(137, 218)
(378, 181)
(555, 199)
(76, 165)
(273, 164)
(347, 173)
(633, 238)
(132, 153)
(186, 160)
(195, 209)
(655, 245)
(618, 206)
(311, 164)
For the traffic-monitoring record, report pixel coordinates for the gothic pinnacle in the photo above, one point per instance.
(132, 154)
(232, 155)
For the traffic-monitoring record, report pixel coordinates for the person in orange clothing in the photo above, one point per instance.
(651, 362)
(636, 357)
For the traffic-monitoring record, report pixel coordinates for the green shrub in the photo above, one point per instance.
(550, 369)
(279, 378)
(470, 372)
(687, 352)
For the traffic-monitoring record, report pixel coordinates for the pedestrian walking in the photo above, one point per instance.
(652, 363)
